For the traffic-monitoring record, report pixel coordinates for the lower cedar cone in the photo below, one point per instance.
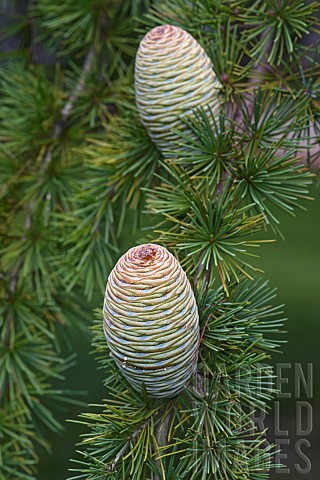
(151, 320)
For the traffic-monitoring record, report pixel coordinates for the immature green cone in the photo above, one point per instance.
(173, 75)
(151, 320)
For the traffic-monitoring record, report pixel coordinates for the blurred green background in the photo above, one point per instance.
(293, 266)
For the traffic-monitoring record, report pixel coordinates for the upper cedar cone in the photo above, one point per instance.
(173, 75)
(151, 320)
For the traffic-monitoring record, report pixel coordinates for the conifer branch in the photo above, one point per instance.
(59, 125)
(161, 435)
(80, 84)
(13, 281)
(57, 130)
(258, 71)
(311, 153)
(130, 439)
(221, 182)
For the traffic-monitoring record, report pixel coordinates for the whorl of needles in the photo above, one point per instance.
(173, 75)
(151, 320)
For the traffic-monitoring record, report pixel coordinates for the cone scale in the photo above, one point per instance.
(173, 75)
(151, 320)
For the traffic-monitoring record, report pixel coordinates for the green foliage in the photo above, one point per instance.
(280, 23)
(128, 154)
(77, 171)
(227, 51)
(48, 112)
(209, 426)
(33, 251)
(16, 435)
(241, 320)
(90, 251)
(70, 28)
(221, 185)
(268, 125)
(210, 152)
(28, 112)
(272, 181)
(28, 364)
(303, 82)
(210, 233)
(133, 440)
(271, 26)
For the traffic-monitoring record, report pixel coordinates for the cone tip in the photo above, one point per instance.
(162, 32)
(147, 252)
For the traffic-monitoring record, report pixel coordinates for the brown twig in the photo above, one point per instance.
(131, 439)
(258, 71)
(311, 154)
(161, 435)
(65, 112)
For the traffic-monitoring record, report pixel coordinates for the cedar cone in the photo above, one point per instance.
(151, 320)
(173, 75)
